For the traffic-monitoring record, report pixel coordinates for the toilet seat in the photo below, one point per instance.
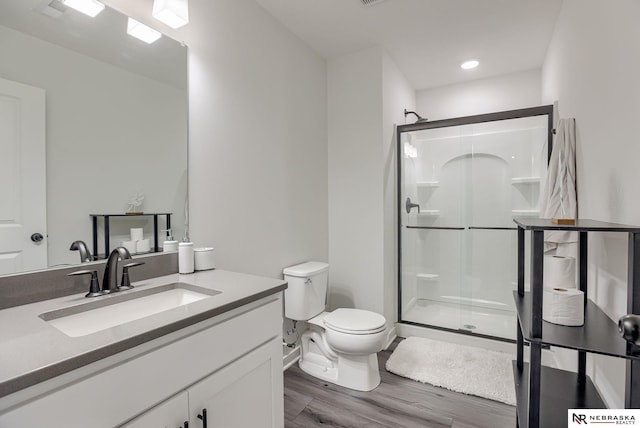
(354, 321)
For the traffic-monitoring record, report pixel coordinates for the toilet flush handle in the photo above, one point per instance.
(309, 282)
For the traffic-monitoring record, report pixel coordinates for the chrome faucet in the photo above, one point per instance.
(85, 255)
(110, 278)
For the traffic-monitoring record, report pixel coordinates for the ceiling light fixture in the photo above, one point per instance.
(174, 13)
(468, 65)
(88, 7)
(142, 32)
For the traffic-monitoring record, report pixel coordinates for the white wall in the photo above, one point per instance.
(355, 180)
(594, 77)
(257, 136)
(397, 95)
(103, 143)
(506, 92)
(367, 96)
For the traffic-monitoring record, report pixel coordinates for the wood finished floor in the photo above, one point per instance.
(398, 402)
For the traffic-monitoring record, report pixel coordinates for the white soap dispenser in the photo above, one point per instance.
(169, 243)
(185, 255)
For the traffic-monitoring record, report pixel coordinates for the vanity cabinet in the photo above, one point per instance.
(230, 365)
(242, 394)
(222, 399)
(172, 413)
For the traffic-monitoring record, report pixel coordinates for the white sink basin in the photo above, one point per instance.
(117, 309)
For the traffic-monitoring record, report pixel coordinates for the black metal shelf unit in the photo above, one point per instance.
(106, 218)
(544, 394)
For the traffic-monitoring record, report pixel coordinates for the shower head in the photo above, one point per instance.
(418, 117)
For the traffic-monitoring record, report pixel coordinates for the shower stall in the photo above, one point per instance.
(460, 183)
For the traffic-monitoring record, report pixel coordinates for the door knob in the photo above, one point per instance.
(37, 237)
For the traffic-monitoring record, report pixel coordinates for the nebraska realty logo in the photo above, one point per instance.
(599, 417)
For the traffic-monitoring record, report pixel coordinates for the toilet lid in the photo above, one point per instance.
(355, 321)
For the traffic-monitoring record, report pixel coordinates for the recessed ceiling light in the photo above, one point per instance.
(88, 7)
(468, 65)
(142, 32)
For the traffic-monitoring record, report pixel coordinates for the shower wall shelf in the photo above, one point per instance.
(428, 184)
(545, 394)
(525, 180)
(428, 276)
(525, 212)
(428, 213)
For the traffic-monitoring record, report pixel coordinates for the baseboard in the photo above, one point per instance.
(391, 336)
(290, 356)
(612, 395)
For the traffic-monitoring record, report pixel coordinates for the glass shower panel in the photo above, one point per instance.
(458, 255)
(433, 237)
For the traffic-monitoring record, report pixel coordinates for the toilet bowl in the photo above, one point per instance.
(340, 346)
(344, 357)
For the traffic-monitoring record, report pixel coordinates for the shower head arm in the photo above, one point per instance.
(418, 117)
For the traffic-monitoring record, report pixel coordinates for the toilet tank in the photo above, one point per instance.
(306, 295)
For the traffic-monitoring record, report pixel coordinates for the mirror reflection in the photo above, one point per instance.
(92, 121)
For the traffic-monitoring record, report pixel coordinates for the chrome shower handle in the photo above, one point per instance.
(410, 206)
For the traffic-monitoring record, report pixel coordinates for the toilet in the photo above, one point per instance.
(340, 346)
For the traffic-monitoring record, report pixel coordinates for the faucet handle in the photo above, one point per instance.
(125, 284)
(94, 286)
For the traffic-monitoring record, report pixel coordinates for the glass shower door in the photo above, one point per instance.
(458, 254)
(432, 227)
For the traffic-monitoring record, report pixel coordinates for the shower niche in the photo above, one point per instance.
(460, 183)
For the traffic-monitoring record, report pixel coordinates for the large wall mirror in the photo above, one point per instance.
(113, 122)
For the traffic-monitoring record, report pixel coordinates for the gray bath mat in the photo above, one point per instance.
(460, 368)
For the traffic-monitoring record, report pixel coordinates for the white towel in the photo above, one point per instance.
(559, 199)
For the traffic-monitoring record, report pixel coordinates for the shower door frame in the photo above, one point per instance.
(546, 110)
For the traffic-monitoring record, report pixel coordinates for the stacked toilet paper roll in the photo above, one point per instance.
(559, 271)
(143, 246)
(563, 306)
(137, 233)
(562, 302)
(137, 243)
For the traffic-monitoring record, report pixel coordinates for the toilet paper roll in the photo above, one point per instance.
(563, 306)
(137, 234)
(130, 245)
(143, 246)
(559, 271)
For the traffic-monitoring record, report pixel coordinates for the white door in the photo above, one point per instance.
(22, 178)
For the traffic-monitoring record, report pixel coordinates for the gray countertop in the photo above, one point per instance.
(32, 351)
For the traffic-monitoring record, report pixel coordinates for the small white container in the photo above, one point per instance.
(185, 257)
(204, 258)
(170, 246)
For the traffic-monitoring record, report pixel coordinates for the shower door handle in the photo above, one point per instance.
(409, 206)
(491, 228)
